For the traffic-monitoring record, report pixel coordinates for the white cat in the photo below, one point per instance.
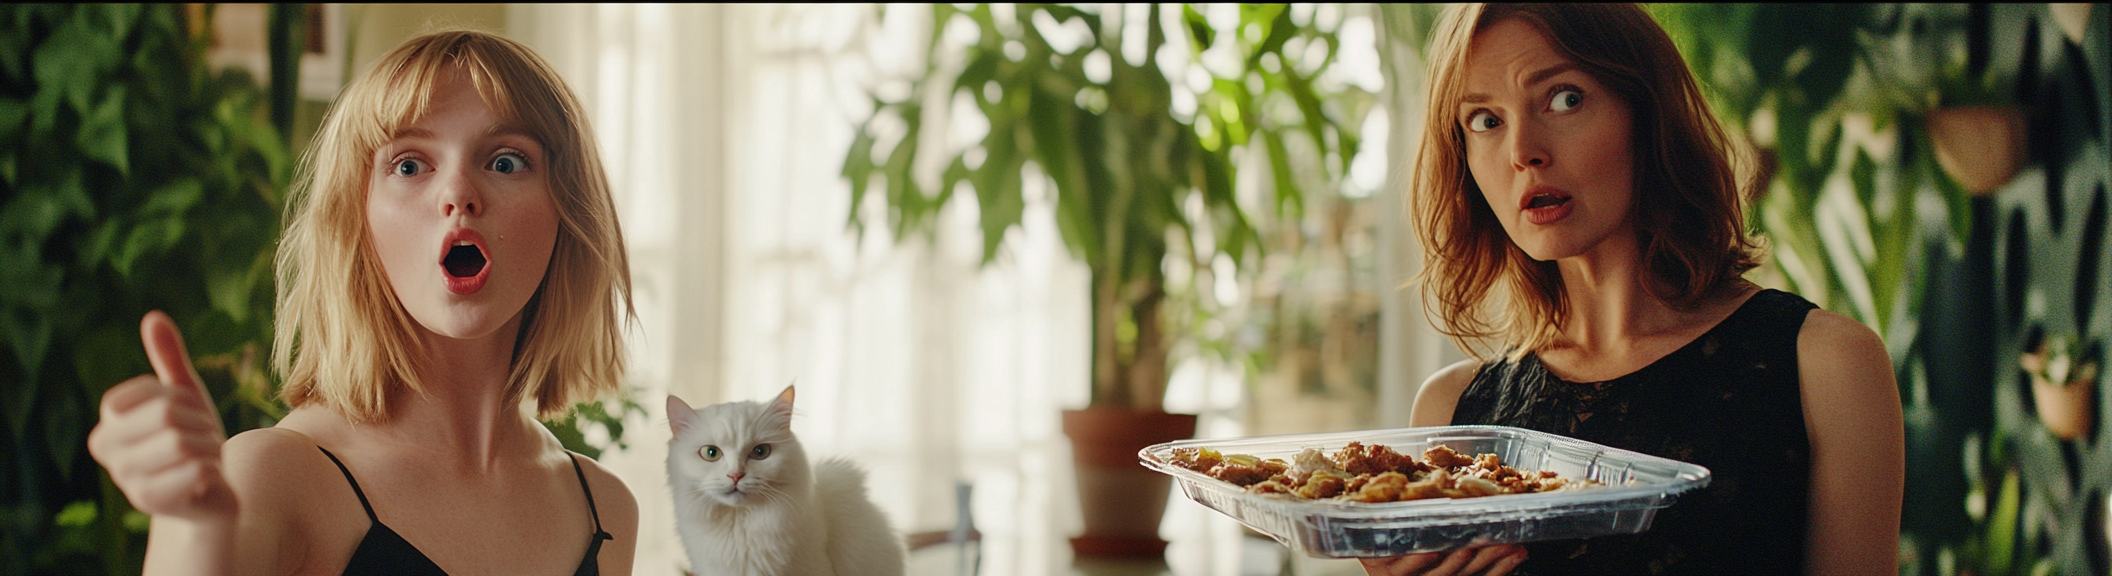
(748, 504)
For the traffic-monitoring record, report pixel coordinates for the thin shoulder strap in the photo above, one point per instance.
(362, 494)
(590, 495)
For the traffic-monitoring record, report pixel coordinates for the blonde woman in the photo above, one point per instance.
(451, 269)
(1583, 234)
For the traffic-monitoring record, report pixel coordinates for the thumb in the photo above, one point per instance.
(172, 364)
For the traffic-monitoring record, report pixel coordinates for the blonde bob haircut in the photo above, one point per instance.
(1478, 287)
(344, 340)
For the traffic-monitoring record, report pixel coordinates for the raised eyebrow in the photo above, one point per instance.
(1534, 78)
(1549, 72)
(509, 129)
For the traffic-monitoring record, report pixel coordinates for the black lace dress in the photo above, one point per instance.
(1728, 401)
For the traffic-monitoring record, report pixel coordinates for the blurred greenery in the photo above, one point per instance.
(1861, 219)
(134, 177)
(1139, 117)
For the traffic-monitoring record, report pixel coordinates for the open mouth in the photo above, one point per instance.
(1544, 200)
(464, 260)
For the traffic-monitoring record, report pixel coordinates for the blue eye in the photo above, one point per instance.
(1482, 121)
(1566, 100)
(509, 163)
(761, 451)
(408, 167)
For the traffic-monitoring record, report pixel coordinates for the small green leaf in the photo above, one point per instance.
(229, 290)
(13, 112)
(33, 214)
(14, 45)
(63, 430)
(103, 134)
(152, 236)
(73, 60)
(858, 169)
(107, 356)
(76, 515)
(30, 336)
(174, 198)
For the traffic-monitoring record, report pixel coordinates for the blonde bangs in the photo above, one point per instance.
(342, 337)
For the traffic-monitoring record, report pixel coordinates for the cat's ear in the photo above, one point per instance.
(782, 406)
(679, 414)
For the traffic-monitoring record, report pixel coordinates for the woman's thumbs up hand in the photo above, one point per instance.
(160, 436)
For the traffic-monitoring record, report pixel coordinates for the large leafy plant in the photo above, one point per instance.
(1141, 153)
(132, 177)
(1861, 219)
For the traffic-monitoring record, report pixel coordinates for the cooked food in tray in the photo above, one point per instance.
(1373, 473)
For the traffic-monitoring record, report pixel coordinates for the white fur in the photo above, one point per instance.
(783, 517)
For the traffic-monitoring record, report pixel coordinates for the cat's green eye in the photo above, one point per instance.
(761, 451)
(710, 453)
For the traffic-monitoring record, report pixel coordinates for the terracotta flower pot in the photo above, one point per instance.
(1981, 146)
(2067, 408)
(1122, 501)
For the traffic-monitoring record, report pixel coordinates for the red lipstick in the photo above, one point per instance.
(465, 262)
(1544, 205)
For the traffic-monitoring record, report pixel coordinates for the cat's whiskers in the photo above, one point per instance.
(773, 512)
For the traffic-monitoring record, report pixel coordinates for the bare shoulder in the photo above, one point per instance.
(268, 462)
(1845, 377)
(1844, 353)
(295, 503)
(612, 498)
(1439, 394)
(617, 510)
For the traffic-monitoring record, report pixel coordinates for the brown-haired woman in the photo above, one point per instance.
(1579, 210)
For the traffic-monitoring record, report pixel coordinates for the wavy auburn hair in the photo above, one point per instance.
(344, 340)
(1689, 206)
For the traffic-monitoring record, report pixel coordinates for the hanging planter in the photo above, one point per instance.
(2063, 387)
(1979, 146)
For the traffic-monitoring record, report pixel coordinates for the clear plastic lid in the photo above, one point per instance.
(1636, 486)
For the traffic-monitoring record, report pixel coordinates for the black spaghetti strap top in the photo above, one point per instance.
(383, 552)
(1729, 401)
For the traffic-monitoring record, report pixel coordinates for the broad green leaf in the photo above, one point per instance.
(13, 113)
(103, 134)
(107, 355)
(174, 198)
(14, 52)
(32, 214)
(1288, 196)
(229, 290)
(858, 169)
(73, 60)
(149, 237)
(30, 337)
(1199, 30)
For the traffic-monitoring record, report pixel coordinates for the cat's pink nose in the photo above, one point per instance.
(737, 476)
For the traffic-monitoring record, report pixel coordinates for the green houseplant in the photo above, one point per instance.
(1858, 111)
(132, 177)
(1085, 98)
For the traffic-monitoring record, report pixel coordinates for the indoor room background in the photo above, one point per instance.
(832, 196)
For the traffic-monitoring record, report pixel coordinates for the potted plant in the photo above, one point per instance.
(2063, 384)
(1077, 93)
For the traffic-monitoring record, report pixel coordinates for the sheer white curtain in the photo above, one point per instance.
(723, 129)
